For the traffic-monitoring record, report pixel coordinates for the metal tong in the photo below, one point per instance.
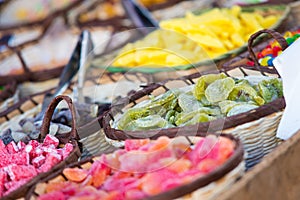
(139, 15)
(70, 70)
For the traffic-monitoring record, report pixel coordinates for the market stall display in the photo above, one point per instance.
(148, 118)
(98, 177)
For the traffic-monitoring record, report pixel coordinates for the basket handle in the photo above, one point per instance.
(277, 36)
(64, 138)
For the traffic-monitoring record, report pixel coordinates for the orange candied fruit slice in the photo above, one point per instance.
(75, 174)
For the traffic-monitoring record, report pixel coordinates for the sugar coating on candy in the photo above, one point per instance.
(118, 175)
(21, 162)
(50, 139)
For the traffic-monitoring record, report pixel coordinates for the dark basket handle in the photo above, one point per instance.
(64, 138)
(277, 36)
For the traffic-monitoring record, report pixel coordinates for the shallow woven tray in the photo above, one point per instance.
(71, 137)
(279, 25)
(234, 162)
(256, 128)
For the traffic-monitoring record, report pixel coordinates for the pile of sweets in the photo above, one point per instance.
(214, 96)
(271, 51)
(195, 38)
(21, 162)
(143, 168)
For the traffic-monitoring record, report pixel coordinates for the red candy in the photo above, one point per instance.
(276, 49)
(19, 163)
(12, 147)
(38, 161)
(3, 178)
(267, 51)
(50, 139)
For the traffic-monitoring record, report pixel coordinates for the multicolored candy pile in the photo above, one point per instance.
(20, 162)
(271, 51)
(143, 168)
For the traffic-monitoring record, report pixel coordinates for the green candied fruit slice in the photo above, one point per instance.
(205, 102)
(241, 109)
(182, 118)
(199, 118)
(270, 89)
(226, 105)
(188, 102)
(243, 91)
(170, 116)
(219, 90)
(147, 123)
(203, 82)
(130, 115)
(165, 100)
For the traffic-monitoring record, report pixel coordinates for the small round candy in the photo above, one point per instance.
(275, 43)
(264, 61)
(288, 34)
(275, 50)
(296, 36)
(270, 62)
(267, 51)
(290, 40)
(259, 55)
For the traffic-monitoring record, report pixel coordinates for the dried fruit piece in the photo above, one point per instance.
(135, 144)
(241, 109)
(75, 174)
(203, 82)
(219, 90)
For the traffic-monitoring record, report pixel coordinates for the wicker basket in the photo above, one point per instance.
(210, 185)
(256, 128)
(71, 137)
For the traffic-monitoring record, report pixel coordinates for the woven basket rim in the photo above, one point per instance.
(179, 191)
(203, 128)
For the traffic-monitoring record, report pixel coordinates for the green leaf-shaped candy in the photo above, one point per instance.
(130, 115)
(188, 102)
(270, 89)
(147, 123)
(243, 91)
(240, 109)
(203, 82)
(185, 117)
(219, 90)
